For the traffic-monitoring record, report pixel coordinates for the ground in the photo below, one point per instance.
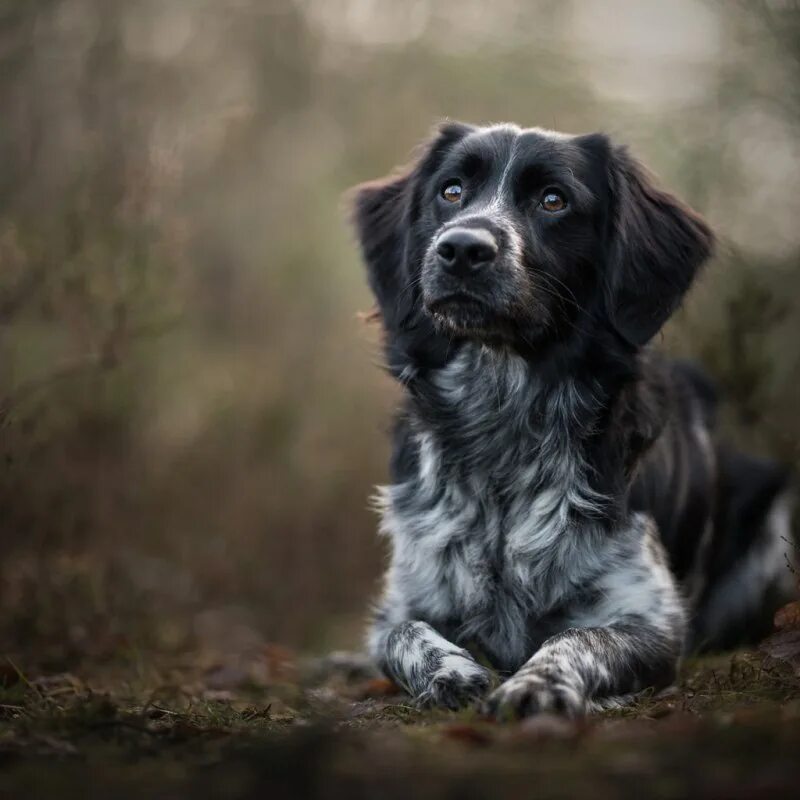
(278, 726)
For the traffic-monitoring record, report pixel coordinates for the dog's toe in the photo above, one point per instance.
(455, 689)
(525, 695)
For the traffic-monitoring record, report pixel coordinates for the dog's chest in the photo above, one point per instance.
(484, 532)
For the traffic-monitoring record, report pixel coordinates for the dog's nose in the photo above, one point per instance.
(463, 251)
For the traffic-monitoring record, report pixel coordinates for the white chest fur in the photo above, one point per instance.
(490, 532)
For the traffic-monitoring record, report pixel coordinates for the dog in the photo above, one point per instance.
(560, 513)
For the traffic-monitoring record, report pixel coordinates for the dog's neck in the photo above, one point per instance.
(494, 419)
(486, 391)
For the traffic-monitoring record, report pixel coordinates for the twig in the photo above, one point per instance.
(789, 563)
(23, 678)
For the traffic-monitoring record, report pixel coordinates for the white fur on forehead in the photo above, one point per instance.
(512, 129)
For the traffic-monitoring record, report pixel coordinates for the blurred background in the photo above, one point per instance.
(192, 413)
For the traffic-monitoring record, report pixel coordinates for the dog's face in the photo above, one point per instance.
(521, 236)
(510, 232)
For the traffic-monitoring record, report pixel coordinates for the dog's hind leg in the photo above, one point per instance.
(749, 569)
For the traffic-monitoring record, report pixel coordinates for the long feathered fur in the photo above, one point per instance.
(554, 509)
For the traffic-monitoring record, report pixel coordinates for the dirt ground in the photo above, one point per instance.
(272, 725)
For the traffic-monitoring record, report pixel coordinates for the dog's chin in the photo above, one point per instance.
(467, 316)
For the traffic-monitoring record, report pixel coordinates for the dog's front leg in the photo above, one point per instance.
(434, 671)
(628, 639)
(579, 669)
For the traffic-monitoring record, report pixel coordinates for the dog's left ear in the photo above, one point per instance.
(657, 245)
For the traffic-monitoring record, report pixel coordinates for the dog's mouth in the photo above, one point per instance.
(458, 299)
(462, 312)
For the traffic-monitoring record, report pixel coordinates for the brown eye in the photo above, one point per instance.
(553, 201)
(452, 192)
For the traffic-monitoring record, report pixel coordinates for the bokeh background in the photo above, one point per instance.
(192, 411)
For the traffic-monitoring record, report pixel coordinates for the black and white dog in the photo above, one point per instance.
(558, 508)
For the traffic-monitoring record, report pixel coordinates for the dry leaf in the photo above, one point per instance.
(378, 687)
(788, 616)
(468, 734)
(281, 663)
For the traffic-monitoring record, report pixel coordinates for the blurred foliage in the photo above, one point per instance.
(192, 416)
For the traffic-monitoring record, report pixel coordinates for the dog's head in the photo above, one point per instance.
(519, 236)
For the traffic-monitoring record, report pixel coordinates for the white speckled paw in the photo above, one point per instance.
(457, 683)
(529, 693)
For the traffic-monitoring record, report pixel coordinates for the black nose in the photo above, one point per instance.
(463, 251)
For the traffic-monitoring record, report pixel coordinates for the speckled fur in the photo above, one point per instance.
(558, 505)
(500, 542)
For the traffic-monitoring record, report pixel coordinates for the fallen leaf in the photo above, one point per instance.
(281, 663)
(788, 616)
(468, 734)
(378, 687)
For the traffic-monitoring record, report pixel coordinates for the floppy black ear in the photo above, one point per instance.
(656, 249)
(382, 214)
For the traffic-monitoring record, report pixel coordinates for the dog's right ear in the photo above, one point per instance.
(383, 211)
(380, 213)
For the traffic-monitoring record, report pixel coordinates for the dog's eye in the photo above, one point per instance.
(553, 201)
(452, 192)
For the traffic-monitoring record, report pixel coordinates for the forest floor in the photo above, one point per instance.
(276, 726)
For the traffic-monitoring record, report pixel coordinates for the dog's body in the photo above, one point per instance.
(558, 507)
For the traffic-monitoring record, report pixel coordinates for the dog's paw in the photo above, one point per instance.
(458, 682)
(528, 693)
